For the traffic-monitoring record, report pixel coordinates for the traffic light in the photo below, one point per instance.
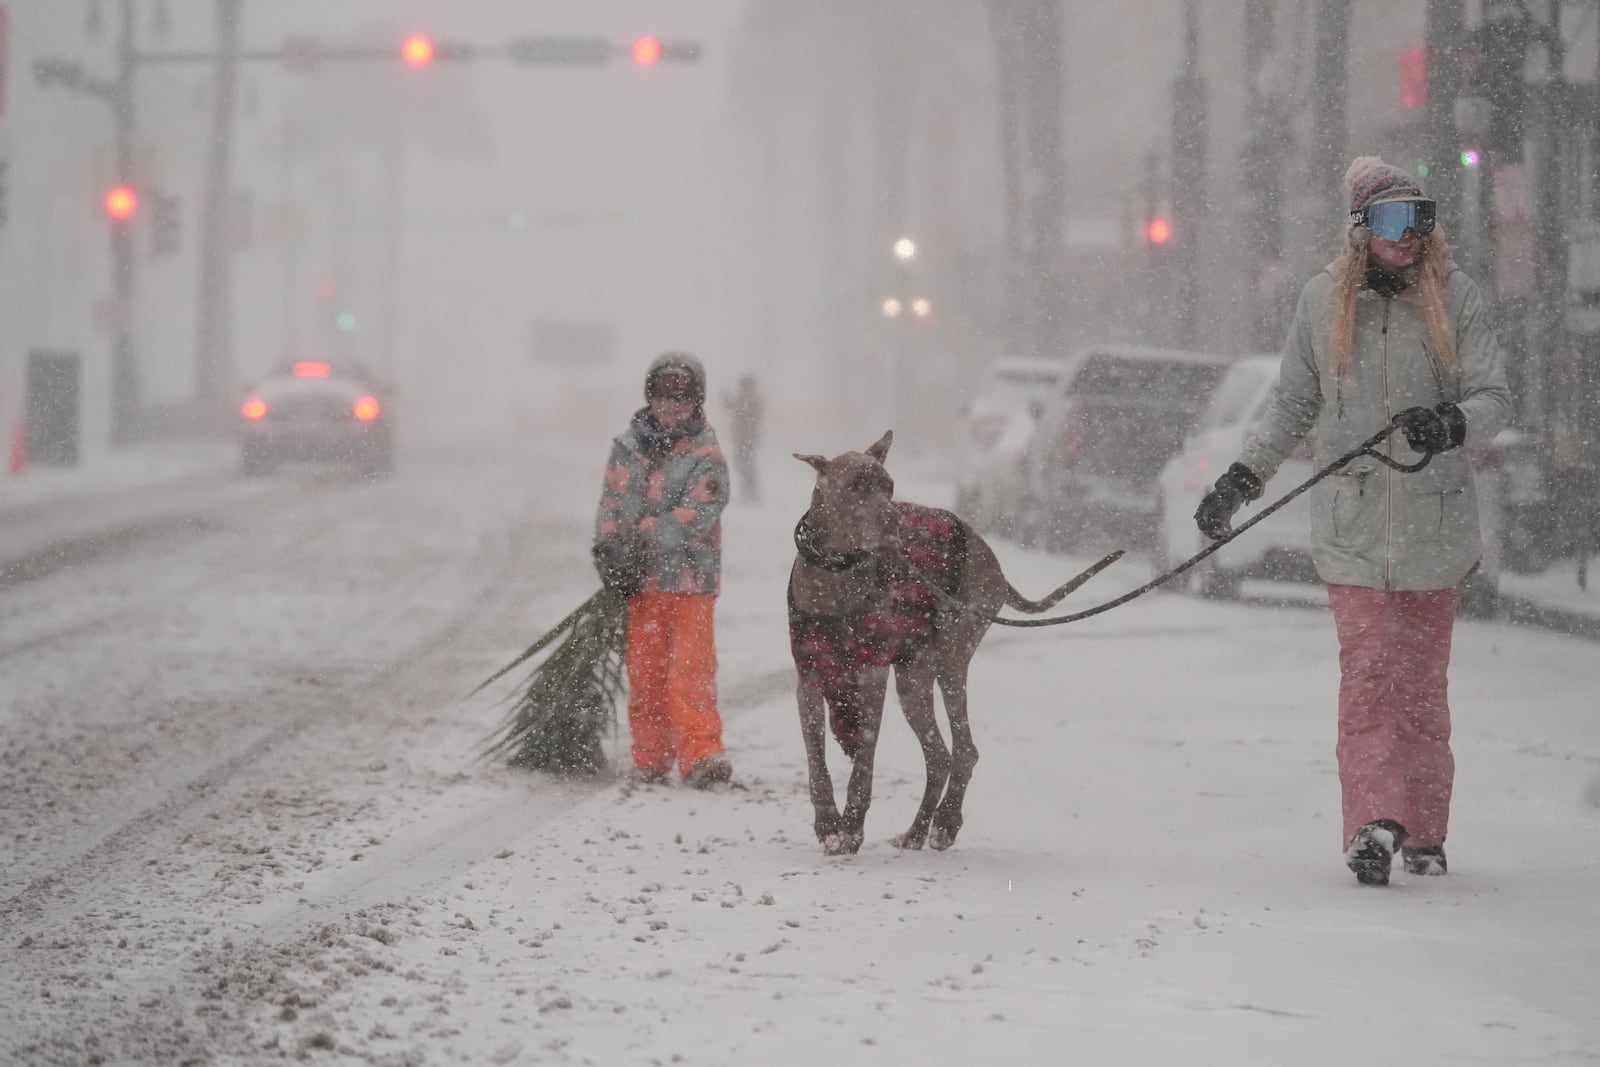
(1158, 231)
(121, 204)
(1413, 77)
(418, 50)
(647, 51)
(164, 230)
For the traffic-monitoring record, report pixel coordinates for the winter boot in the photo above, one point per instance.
(1424, 860)
(646, 776)
(1371, 850)
(708, 771)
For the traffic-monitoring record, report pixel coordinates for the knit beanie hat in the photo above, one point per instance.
(1370, 180)
(686, 372)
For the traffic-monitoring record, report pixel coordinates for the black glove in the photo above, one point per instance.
(1237, 484)
(620, 565)
(1439, 430)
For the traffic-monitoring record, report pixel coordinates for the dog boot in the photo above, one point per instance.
(1371, 851)
(1424, 860)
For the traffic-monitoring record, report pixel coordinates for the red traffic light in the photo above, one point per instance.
(647, 51)
(417, 50)
(1413, 77)
(122, 203)
(1159, 231)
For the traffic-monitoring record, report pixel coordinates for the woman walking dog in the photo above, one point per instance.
(1391, 330)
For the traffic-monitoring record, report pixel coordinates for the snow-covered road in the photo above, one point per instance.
(243, 824)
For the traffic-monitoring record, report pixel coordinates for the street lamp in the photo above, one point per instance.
(905, 249)
(921, 307)
(891, 308)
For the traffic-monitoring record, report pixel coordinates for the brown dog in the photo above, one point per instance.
(879, 584)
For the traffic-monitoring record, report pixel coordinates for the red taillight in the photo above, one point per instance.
(311, 368)
(366, 409)
(254, 408)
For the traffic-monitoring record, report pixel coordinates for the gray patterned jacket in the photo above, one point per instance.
(674, 503)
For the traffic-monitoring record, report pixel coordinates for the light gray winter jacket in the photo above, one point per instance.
(1370, 525)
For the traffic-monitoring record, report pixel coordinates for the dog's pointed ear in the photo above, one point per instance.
(819, 462)
(879, 449)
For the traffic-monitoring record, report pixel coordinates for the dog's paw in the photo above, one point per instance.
(941, 837)
(842, 844)
(908, 841)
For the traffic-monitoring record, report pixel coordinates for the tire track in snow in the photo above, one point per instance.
(220, 518)
(30, 902)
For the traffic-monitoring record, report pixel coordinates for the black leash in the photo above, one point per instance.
(1364, 449)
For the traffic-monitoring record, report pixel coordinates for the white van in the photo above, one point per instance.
(996, 428)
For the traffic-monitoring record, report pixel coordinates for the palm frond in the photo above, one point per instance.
(565, 705)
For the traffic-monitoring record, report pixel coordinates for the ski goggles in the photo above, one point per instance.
(1391, 219)
(670, 386)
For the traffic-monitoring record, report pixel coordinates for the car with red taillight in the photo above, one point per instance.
(313, 411)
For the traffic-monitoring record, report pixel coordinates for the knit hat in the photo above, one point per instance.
(1370, 180)
(680, 367)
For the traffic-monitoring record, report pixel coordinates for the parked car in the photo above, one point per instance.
(1279, 549)
(1090, 471)
(997, 426)
(314, 411)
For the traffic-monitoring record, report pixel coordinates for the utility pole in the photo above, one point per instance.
(1263, 155)
(1006, 39)
(126, 383)
(1047, 206)
(1445, 37)
(213, 363)
(1547, 340)
(391, 200)
(1329, 75)
(1190, 146)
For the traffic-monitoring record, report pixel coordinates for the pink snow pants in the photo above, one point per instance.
(1394, 719)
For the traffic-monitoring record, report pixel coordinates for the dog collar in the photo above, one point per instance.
(818, 558)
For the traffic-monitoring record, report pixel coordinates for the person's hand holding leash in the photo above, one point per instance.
(1432, 432)
(1215, 513)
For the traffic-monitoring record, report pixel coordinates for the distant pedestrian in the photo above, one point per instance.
(658, 542)
(1391, 329)
(745, 409)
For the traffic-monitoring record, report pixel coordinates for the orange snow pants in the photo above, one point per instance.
(672, 680)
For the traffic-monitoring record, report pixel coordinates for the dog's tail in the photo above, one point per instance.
(1018, 602)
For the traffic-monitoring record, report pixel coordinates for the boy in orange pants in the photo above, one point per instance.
(658, 541)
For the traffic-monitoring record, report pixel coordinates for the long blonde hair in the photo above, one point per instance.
(1350, 274)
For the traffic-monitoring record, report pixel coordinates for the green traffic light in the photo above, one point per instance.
(346, 322)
